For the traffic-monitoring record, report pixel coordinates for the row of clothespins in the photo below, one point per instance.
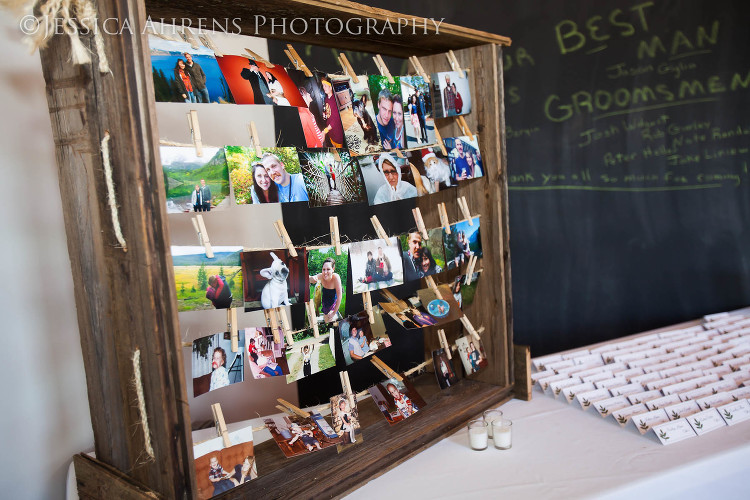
(290, 409)
(205, 241)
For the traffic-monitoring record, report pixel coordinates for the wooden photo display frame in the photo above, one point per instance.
(91, 110)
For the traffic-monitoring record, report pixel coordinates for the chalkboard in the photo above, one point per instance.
(628, 136)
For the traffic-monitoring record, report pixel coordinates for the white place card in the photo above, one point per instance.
(700, 365)
(644, 421)
(688, 349)
(586, 399)
(700, 392)
(546, 373)
(674, 345)
(662, 366)
(686, 360)
(706, 421)
(741, 393)
(610, 382)
(736, 363)
(692, 383)
(741, 338)
(575, 354)
(643, 397)
(714, 400)
(674, 432)
(707, 353)
(623, 415)
(595, 377)
(663, 401)
(570, 392)
(559, 364)
(630, 373)
(740, 351)
(681, 410)
(720, 358)
(646, 377)
(545, 382)
(626, 390)
(582, 371)
(735, 412)
(557, 386)
(675, 370)
(571, 370)
(708, 318)
(589, 359)
(540, 363)
(738, 376)
(607, 406)
(662, 382)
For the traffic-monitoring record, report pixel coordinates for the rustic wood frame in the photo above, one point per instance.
(125, 299)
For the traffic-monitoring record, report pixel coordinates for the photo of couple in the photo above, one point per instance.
(451, 94)
(420, 126)
(376, 264)
(463, 241)
(471, 352)
(252, 82)
(194, 183)
(320, 115)
(422, 257)
(184, 74)
(219, 469)
(273, 177)
(389, 111)
(464, 157)
(214, 365)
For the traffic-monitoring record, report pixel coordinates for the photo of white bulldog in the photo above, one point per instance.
(276, 291)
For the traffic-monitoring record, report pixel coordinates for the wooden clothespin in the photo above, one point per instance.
(444, 343)
(418, 68)
(335, 154)
(433, 287)
(284, 410)
(285, 325)
(190, 38)
(465, 130)
(255, 139)
(347, 67)
(388, 295)
(455, 66)
(209, 42)
(347, 387)
(284, 236)
(444, 221)
(470, 269)
(387, 371)
(469, 327)
(464, 206)
(333, 223)
(195, 132)
(420, 222)
(200, 228)
(292, 408)
(297, 60)
(440, 142)
(259, 59)
(312, 317)
(378, 228)
(367, 300)
(232, 328)
(383, 68)
(187, 344)
(272, 320)
(398, 152)
(221, 425)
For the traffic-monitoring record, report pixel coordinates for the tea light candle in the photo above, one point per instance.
(502, 433)
(478, 435)
(489, 417)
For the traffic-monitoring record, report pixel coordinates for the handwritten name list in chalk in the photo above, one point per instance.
(641, 100)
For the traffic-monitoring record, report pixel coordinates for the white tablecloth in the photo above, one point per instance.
(560, 451)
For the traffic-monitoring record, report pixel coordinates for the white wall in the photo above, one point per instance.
(44, 419)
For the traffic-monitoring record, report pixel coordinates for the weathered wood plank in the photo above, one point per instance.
(522, 385)
(426, 38)
(125, 301)
(97, 480)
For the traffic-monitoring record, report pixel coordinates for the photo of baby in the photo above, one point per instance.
(266, 356)
(376, 264)
(397, 399)
(219, 469)
(215, 365)
(309, 354)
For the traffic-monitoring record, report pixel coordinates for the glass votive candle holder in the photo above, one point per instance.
(478, 434)
(501, 429)
(489, 416)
